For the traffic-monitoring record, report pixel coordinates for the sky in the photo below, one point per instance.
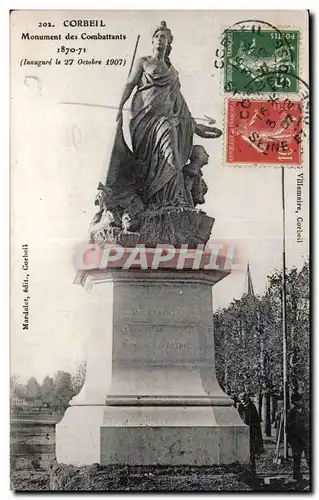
(59, 153)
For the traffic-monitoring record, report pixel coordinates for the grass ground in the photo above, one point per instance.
(160, 478)
(29, 474)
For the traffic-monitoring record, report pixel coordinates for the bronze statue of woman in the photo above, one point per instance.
(161, 126)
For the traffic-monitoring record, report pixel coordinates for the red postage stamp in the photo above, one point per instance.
(264, 132)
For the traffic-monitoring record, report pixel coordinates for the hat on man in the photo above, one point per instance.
(296, 398)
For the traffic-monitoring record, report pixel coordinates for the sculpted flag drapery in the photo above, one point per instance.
(120, 160)
(161, 130)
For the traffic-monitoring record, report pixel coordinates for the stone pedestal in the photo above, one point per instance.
(151, 394)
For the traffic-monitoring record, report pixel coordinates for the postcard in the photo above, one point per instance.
(160, 250)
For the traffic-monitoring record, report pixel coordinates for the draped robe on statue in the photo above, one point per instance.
(162, 130)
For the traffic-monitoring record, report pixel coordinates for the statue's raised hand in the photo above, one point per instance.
(207, 132)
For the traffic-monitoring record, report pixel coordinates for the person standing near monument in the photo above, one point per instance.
(297, 429)
(249, 414)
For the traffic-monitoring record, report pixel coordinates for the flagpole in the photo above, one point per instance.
(284, 328)
(134, 54)
(120, 151)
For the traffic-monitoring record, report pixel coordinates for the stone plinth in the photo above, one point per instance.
(171, 226)
(151, 394)
(175, 227)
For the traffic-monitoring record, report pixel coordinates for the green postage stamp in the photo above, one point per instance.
(261, 60)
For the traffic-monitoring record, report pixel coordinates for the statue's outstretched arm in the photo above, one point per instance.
(132, 81)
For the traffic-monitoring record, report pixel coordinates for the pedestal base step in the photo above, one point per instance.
(151, 436)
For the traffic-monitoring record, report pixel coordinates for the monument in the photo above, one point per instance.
(151, 395)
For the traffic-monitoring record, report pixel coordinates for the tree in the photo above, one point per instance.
(33, 389)
(48, 390)
(63, 387)
(14, 380)
(298, 327)
(17, 392)
(79, 377)
(237, 346)
(248, 340)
